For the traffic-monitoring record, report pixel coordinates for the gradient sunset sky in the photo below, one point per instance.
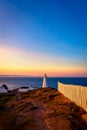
(43, 36)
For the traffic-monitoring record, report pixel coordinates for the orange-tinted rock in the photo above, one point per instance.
(41, 109)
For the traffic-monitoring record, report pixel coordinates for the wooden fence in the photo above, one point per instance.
(76, 93)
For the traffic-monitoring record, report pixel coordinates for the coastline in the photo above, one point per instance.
(17, 82)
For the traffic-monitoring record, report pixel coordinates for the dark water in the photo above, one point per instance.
(16, 82)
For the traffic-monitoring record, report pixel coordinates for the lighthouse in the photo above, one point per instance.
(44, 84)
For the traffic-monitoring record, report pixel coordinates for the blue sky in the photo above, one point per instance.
(54, 28)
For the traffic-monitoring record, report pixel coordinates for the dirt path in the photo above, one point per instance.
(39, 115)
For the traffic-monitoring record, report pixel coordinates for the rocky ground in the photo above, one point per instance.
(41, 109)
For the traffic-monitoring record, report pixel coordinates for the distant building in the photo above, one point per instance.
(44, 84)
(3, 89)
(23, 89)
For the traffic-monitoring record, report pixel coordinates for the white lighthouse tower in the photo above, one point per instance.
(44, 84)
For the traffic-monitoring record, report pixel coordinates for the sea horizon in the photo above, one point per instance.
(17, 81)
(31, 76)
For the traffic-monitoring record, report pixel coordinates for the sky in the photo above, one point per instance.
(43, 36)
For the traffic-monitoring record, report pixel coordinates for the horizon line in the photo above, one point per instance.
(3, 75)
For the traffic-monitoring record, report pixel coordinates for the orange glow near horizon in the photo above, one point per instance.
(19, 62)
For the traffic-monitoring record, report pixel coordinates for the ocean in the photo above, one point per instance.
(16, 82)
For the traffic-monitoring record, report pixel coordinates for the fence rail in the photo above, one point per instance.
(76, 93)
